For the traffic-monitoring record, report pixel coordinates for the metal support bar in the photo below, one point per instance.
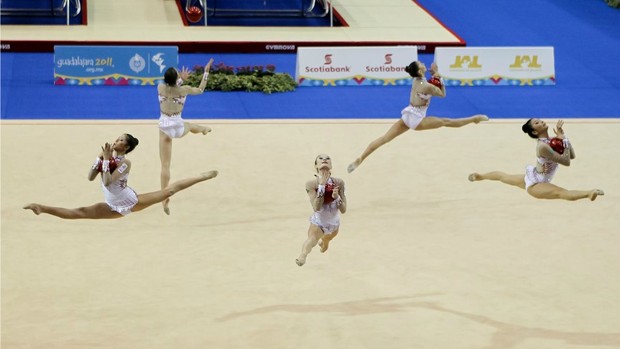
(302, 12)
(52, 12)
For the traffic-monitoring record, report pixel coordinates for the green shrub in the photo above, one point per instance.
(246, 78)
(613, 3)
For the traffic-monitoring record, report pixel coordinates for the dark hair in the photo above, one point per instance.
(527, 128)
(170, 76)
(132, 142)
(413, 69)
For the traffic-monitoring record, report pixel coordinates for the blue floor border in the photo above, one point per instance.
(586, 47)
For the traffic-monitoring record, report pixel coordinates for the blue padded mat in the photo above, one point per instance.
(585, 34)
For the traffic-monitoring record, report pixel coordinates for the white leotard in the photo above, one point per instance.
(543, 172)
(176, 100)
(118, 195)
(172, 125)
(328, 217)
(412, 115)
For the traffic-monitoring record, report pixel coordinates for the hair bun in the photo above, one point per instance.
(527, 128)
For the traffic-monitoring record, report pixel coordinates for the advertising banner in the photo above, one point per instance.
(354, 66)
(112, 65)
(496, 66)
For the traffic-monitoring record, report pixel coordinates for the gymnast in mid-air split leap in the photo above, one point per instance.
(413, 117)
(120, 200)
(550, 152)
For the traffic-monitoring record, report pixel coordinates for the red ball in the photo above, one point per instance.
(329, 191)
(112, 164)
(557, 144)
(435, 81)
(194, 14)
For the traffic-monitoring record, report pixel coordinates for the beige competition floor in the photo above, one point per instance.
(425, 259)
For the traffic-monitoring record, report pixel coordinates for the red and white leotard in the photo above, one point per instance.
(171, 124)
(413, 115)
(328, 217)
(545, 169)
(117, 194)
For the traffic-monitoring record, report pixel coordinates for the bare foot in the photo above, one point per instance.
(34, 207)
(300, 261)
(481, 117)
(324, 245)
(166, 208)
(474, 177)
(209, 174)
(206, 129)
(592, 196)
(352, 166)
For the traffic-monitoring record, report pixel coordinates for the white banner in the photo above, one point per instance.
(354, 66)
(496, 66)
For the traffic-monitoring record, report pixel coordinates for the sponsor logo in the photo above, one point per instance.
(280, 47)
(329, 69)
(328, 59)
(465, 62)
(387, 69)
(522, 62)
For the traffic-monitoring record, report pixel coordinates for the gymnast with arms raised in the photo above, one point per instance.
(326, 194)
(172, 95)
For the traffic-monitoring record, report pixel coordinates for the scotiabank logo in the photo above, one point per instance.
(387, 67)
(330, 69)
(467, 62)
(525, 62)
